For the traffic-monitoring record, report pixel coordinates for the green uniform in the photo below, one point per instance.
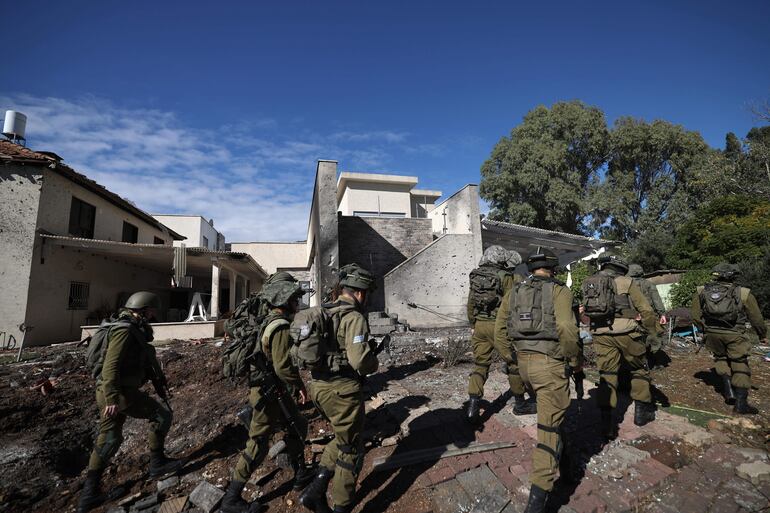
(268, 415)
(543, 358)
(485, 342)
(340, 399)
(731, 346)
(650, 292)
(625, 339)
(129, 362)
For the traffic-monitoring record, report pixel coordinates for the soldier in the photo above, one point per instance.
(272, 406)
(650, 291)
(722, 309)
(128, 363)
(338, 394)
(537, 316)
(621, 317)
(488, 283)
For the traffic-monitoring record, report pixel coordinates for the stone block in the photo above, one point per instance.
(756, 471)
(450, 497)
(167, 483)
(206, 496)
(486, 491)
(146, 503)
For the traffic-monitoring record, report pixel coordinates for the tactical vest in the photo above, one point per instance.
(625, 311)
(741, 295)
(531, 317)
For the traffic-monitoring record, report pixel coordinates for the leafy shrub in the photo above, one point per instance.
(681, 293)
(580, 271)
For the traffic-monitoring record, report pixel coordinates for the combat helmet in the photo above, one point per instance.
(542, 258)
(142, 299)
(513, 259)
(614, 261)
(280, 276)
(495, 256)
(356, 277)
(281, 293)
(635, 271)
(725, 272)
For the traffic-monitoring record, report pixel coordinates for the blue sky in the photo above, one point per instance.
(232, 102)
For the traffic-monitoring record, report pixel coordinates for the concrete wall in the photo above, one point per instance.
(175, 330)
(380, 244)
(272, 255)
(374, 197)
(194, 228)
(436, 281)
(19, 199)
(56, 201)
(462, 212)
(109, 279)
(323, 233)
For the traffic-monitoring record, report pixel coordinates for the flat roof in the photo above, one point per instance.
(425, 192)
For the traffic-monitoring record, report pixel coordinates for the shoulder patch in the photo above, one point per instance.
(358, 339)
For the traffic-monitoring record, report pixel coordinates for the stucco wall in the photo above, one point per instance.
(108, 280)
(56, 201)
(374, 197)
(436, 281)
(462, 212)
(324, 226)
(19, 199)
(194, 228)
(272, 255)
(381, 244)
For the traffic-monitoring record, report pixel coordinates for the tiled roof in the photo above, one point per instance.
(540, 231)
(11, 152)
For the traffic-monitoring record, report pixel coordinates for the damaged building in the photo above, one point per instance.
(73, 251)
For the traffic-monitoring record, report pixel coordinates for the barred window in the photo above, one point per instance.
(78, 299)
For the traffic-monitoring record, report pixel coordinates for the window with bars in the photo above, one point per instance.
(78, 299)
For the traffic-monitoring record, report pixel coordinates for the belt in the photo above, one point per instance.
(331, 376)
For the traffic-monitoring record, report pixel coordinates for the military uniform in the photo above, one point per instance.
(545, 349)
(339, 396)
(624, 337)
(650, 291)
(729, 343)
(268, 414)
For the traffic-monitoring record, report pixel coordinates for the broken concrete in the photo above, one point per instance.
(756, 472)
(206, 496)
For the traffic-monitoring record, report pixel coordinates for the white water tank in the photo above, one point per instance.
(15, 125)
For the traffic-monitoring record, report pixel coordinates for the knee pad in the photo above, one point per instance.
(350, 458)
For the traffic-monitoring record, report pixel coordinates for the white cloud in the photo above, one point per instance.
(255, 183)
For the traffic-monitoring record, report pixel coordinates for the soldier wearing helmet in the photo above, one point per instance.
(268, 415)
(620, 334)
(488, 284)
(536, 316)
(649, 290)
(723, 310)
(338, 393)
(129, 361)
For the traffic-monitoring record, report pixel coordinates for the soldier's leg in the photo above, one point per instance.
(715, 344)
(110, 435)
(142, 406)
(738, 354)
(634, 352)
(511, 365)
(483, 345)
(314, 497)
(608, 362)
(549, 380)
(259, 436)
(346, 414)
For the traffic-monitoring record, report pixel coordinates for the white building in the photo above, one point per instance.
(197, 231)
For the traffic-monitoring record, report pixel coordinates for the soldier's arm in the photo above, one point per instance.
(755, 316)
(657, 302)
(280, 344)
(649, 319)
(566, 326)
(118, 344)
(360, 353)
(501, 321)
(469, 309)
(695, 312)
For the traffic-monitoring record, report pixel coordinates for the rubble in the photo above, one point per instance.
(206, 496)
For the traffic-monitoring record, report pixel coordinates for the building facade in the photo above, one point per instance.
(197, 231)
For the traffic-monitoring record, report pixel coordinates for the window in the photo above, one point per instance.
(205, 242)
(130, 233)
(158, 240)
(78, 299)
(82, 216)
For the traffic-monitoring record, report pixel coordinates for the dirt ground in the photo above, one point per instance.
(48, 420)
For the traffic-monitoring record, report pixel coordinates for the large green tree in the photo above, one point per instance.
(646, 183)
(539, 176)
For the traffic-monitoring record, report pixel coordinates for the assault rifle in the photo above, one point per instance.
(577, 378)
(160, 385)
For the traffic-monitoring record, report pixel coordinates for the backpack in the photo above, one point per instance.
(486, 285)
(245, 327)
(721, 304)
(532, 315)
(599, 297)
(97, 345)
(314, 335)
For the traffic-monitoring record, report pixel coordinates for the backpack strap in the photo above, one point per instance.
(268, 331)
(743, 293)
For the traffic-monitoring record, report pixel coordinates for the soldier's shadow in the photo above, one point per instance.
(434, 429)
(229, 441)
(377, 382)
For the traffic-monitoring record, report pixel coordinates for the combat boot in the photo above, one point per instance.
(643, 413)
(302, 474)
(472, 411)
(727, 389)
(314, 496)
(232, 502)
(342, 509)
(607, 426)
(742, 402)
(522, 406)
(160, 465)
(537, 499)
(90, 496)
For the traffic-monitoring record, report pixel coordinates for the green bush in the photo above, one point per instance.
(681, 293)
(755, 274)
(580, 271)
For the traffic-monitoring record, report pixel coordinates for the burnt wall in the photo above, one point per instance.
(380, 244)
